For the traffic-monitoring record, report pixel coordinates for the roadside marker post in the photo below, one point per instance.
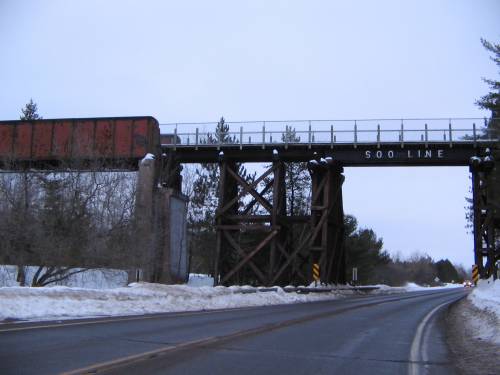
(475, 273)
(316, 274)
(354, 275)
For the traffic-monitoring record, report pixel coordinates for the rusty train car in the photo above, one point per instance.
(122, 140)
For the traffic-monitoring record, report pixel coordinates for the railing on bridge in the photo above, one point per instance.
(373, 131)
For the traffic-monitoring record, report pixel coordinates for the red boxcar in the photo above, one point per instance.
(110, 138)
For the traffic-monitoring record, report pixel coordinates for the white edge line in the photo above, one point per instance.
(416, 345)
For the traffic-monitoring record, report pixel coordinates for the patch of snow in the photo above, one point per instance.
(200, 279)
(486, 297)
(410, 287)
(275, 152)
(61, 302)
(149, 156)
(313, 161)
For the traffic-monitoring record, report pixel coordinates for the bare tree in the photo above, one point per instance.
(71, 221)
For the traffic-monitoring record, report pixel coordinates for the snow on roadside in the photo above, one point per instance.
(410, 287)
(61, 302)
(486, 298)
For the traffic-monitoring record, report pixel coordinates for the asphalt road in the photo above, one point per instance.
(389, 334)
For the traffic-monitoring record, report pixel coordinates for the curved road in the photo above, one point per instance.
(384, 334)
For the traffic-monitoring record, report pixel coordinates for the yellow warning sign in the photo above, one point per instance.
(316, 276)
(475, 273)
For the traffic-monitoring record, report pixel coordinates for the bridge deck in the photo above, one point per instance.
(361, 154)
(353, 142)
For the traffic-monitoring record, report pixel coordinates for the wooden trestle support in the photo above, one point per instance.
(256, 248)
(486, 255)
(327, 220)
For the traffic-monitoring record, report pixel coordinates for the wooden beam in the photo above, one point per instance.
(252, 265)
(254, 193)
(247, 188)
(254, 201)
(250, 256)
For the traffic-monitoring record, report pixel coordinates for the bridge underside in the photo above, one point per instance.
(349, 155)
(265, 248)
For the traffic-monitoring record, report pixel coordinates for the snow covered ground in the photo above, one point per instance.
(486, 298)
(61, 302)
(64, 302)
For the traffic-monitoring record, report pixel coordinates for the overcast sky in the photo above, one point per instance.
(187, 61)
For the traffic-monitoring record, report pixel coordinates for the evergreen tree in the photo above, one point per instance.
(298, 180)
(446, 272)
(363, 251)
(204, 203)
(491, 101)
(30, 112)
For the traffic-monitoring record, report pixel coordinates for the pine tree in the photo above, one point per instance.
(446, 272)
(203, 205)
(30, 112)
(298, 180)
(491, 101)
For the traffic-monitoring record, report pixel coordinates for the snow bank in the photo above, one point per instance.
(486, 297)
(139, 298)
(411, 287)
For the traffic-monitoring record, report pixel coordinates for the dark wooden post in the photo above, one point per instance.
(327, 221)
(278, 216)
(486, 255)
(227, 209)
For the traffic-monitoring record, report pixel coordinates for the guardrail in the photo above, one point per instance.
(376, 131)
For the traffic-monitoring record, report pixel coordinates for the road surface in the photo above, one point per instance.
(382, 334)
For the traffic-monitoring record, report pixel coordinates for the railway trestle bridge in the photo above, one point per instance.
(257, 243)
(327, 147)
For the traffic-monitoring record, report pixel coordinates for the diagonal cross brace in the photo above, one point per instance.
(247, 188)
(235, 245)
(251, 190)
(250, 255)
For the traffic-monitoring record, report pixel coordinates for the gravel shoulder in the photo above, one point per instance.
(471, 353)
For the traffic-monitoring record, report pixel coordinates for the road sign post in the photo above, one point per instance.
(475, 273)
(354, 275)
(316, 274)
